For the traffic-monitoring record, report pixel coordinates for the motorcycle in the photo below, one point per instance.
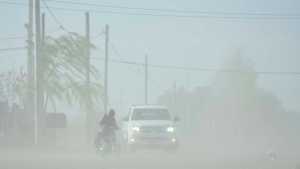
(106, 142)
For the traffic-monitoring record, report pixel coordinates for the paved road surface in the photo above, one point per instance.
(24, 159)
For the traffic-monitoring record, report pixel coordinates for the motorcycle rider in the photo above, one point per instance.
(109, 122)
(108, 125)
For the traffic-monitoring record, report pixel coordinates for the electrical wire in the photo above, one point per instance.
(54, 17)
(198, 69)
(12, 49)
(209, 15)
(169, 10)
(13, 38)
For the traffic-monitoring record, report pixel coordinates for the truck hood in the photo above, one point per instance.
(140, 123)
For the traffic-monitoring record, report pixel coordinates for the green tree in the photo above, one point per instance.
(64, 71)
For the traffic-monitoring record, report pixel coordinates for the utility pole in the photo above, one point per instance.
(106, 69)
(37, 69)
(88, 117)
(146, 79)
(43, 28)
(175, 98)
(30, 69)
(41, 94)
(87, 35)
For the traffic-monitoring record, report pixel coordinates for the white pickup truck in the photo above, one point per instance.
(150, 126)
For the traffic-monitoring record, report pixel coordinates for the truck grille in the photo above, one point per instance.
(153, 129)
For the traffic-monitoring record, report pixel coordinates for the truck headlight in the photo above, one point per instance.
(170, 129)
(136, 129)
(173, 140)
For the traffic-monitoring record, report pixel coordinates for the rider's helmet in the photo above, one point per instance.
(111, 113)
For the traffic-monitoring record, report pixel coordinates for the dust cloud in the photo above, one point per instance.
(61, 79)
(237, 125)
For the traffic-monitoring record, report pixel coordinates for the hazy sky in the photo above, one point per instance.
(193, 42)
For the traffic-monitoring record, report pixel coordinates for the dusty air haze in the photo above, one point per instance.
(229, 70)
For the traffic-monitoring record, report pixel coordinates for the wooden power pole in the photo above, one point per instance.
(87, 35)
(37, 70)
(146, 79)
(30, 70)
(106, 69)
(88, 114)
(43, 29)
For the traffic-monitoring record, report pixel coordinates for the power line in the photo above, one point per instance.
(13, 3)
(199, 69)
(179, 16)
(170, 10)
(221, 70)
(53, 16)
(12, 49)
(114, 49)
(13, 38)
(210, 15)
(24, 37)
(10, 55)
(183, 68)
(61, 26)
(99, 35)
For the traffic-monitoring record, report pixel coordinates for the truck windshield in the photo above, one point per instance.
(151, 114)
